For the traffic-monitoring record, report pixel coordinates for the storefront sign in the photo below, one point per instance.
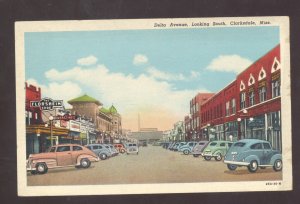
(47, 104)
(74, 126)
(65, 117)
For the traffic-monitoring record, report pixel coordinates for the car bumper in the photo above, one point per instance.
(207, 154)
(236, 163)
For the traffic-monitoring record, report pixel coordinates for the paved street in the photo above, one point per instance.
(153, 165)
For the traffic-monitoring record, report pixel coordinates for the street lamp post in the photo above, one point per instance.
(51, 131)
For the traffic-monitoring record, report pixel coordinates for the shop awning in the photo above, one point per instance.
(41, 129)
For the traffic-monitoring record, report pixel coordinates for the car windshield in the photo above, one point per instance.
(213, 144)
(239, 144)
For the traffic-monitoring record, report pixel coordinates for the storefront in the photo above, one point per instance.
(231, 131)
(38, 137)
(74, 127)
(219, 130)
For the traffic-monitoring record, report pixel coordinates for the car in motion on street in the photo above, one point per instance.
(64, 155)
(132, 148)
(198, 149)
(253, 153)
(216, 149)
(101, 150)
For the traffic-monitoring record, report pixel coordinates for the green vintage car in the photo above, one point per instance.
(216, 149)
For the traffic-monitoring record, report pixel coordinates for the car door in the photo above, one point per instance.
(64, 155)
(77, 150)
(257, 150)
(268, 153)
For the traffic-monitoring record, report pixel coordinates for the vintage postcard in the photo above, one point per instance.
(147, 106)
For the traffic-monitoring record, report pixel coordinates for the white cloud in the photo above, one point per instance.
(229, 63)
(140, 59)
(58, 91)
(126, 92)
(87, 61)
(158, 74)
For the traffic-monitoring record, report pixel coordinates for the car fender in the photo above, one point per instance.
(89, 157)
(217, 152)
(49, 162)
(252, 157)
(275, 157)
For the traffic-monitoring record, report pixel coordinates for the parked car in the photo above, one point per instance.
(114, 151)
(216, 149)
(178, 145)
(187, 147)
(120, 147)
(101, 150)
(171, 145)
(132, 148)
(58, 156)
(198, 148)
(253, 153)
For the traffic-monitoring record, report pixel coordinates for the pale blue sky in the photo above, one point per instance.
(175, 51)
(174, 65)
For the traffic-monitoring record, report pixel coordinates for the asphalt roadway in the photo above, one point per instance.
(153, 164)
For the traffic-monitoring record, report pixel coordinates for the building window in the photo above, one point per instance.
(275, 88)
(227, 108)
(243, 100)
(262, 94)
(251, 98)
(233, 105)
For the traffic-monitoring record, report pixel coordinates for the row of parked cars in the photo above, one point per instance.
(68, 155)
(250, 153)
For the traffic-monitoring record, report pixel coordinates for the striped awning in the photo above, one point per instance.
(41, 129)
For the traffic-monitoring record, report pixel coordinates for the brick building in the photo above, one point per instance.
(250, 106)
(192, 122)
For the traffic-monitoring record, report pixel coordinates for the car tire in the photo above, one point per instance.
(196, 155)
(186, 152)
(218, 157)
(207, 158)
(231, 167)
(102, 156)
(41, 168)
(33, 172)
(277, 165)
(253, 166)
(85, 163)
(122, 151)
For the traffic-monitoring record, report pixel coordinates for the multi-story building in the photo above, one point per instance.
(192, 122)
(250, 106)
(107, 121)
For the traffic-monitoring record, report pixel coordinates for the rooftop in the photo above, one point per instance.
(85, 98)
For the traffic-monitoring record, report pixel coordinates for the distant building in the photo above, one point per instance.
(149, 135)
(107, 121)
(192, 122)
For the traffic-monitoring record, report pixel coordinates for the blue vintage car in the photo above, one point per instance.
(186, 148)
(253, 153)
(198, 149)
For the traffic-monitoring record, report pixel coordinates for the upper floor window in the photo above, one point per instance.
(243, 100)
(275, 88)
(262, 94)
(251, 98)
(233, 105)
(227, 108)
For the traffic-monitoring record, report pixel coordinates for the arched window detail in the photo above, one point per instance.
(251, 80)
(262, 74)
(276, 65)
(242, 86)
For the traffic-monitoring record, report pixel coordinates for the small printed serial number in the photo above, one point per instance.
(277, 183)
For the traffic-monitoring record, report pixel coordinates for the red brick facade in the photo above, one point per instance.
(249, 107)
(33, 115)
